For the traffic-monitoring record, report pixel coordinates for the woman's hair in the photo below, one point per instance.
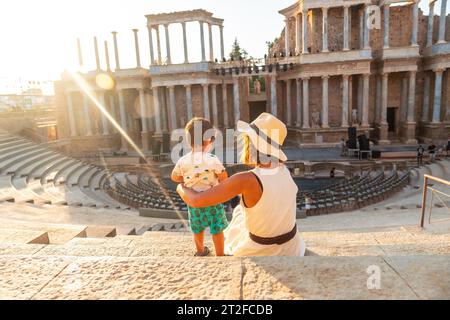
(252, 157)
(199, 126)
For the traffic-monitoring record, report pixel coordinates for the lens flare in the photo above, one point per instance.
(105, 81)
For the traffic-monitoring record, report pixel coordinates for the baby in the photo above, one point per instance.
(200, 171)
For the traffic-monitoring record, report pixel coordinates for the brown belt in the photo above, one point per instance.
(275, 240)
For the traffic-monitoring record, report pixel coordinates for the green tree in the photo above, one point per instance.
(237, 52)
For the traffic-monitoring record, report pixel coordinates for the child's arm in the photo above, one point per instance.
(223, 176)
(177, 178)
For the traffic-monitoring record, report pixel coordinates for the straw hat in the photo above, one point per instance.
(267, 133)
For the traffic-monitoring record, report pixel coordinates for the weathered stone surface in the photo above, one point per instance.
(19, 249)
(147, 278)
(320, 278)
(23, 236)
(23, 277)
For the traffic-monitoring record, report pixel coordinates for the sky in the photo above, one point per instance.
(38, 37)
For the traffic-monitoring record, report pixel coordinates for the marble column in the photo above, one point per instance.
(324, 29)
(214, 105)
(437, 96)
(144, 119)
(386, 26)
(164, 109)
(288, 102)
(366, 29)
(116, 50)
(185, 45)
(136, 45)
(225, 105)
(237, 100)
(211, 43)
(346, 31)
(360, 98)
(404, 100)
(158, 44)
(123, 120)
(305, 40)
(206, 113)
(298, 83)
(361, 28)
(442, 21)
(222, 45)
(426, 99)
(190, 113)
(287, 39)
(97, 55)
(150, 41)
(378, 98)
(345, 102)
(108, 63)
(306, 123)
(325, 102)
(112, 108)
(365, 108)
(70, 114)
(298, 33)
(384, 106)
(430, 25)
(169, 55)
(415, 28)
(172, 109)
(157, 111)
(273, 94)
(202, 40)
(87, 116)
(411, 97)
(102, 100)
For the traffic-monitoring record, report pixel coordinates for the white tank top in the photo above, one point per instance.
(274, 215)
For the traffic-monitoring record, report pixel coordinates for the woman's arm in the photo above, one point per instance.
(238, 184)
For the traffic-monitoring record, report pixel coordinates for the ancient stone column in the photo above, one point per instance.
(442, 21)
(169, 55)
(225, 105)
(87, 116)
(97, 56)
(430, 25)
(136, 45)
(411, 97)
(325, 102)
(108, 63)
(379, 81)
(404, 99)
(112, 108)
(298, 33)
(305, 32)
(345, 104)
(211, 43)
(80, 54)
(206, 112)
(144, 119)
(185, 46)
(202, 41)
(324, 29)
(237, 100)
(102, 100)
(384, 97)
(365, 108)
(366, 29)
(222, 45)
(288, 103)
(158, 44)
(386, 26)
(437, 96)
(150, 41)
(346, 29)
(426, 99)
(214, 104)
(123, 114)
(287, 39)
(172, 109)
(73, 129)
(361, 28)
(273, 94)
(299, 103)
(306, 124)
(157, 111)
(190, 113)
(116, 50)
(415, 26)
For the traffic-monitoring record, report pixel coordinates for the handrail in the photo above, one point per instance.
(425, 192)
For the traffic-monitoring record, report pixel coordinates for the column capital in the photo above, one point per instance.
(171, 87)
(205, 85)
(325, 77)
(166, 25)
(305, 78)
(345, 76)
(346, 6)
(440, 70)
(325, 10)
(188, 85)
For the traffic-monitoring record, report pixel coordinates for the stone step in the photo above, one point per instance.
(17, 236)
(101, 232)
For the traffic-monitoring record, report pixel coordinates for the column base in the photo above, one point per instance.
(409, 136)
(123, 144)
(145, 137)
(383, 134)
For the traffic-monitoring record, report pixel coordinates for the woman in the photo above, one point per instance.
(264, 224)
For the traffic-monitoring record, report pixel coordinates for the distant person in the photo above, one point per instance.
(432, 152)
(420, 153)
(200, 171)
(333, 173)
(344, 148)
(447, 149)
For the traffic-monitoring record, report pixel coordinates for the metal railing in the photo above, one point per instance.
(434, 192)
